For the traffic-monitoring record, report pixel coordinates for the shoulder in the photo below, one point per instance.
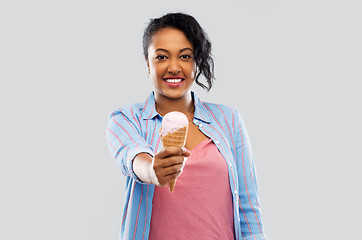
(128, 110)
(220, 110)
(127, 117)
(136, 110)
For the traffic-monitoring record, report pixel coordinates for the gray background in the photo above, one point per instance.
(292, 68)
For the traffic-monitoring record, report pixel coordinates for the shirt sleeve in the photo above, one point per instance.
(125, 141)
(249, 205)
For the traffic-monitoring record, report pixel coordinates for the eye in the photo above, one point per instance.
(160, 57)
(186, 56)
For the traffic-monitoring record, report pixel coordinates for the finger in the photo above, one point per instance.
(167, 167)
(187, 153)
(166, 176)
(175, 168)
(165, 180)
(171, 151)
(171, 161)
(173, 175)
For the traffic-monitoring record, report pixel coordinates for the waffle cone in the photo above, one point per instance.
(175, 139)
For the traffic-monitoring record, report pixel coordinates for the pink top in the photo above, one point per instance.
(200, 207)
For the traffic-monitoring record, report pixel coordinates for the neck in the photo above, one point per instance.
(165, 105)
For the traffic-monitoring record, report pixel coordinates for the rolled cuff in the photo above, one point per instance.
(131, 155)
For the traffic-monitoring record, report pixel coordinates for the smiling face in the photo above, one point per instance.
(171, 63)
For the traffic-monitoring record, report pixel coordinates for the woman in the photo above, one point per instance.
(216, 194)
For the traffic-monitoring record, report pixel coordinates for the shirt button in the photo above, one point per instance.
(238, 219)
(217, 142)
(200, 125)
(235, 192)
(230, 165)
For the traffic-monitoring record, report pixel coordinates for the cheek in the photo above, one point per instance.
(152, 69)
(156, 72)
(191, 70)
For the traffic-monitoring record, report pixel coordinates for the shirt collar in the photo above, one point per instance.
(201, 112)
(149, 109)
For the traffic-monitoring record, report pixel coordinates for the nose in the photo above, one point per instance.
(174, 66)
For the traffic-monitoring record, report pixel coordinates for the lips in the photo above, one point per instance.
(174, 81)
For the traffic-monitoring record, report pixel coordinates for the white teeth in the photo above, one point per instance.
(173, 80)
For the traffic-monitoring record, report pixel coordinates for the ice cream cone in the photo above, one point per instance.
(176, 138)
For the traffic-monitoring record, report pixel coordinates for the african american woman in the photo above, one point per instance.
(216, 195)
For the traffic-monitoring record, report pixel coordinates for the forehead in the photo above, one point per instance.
(170, 38)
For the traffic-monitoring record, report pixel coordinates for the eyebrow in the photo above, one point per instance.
(164, 50)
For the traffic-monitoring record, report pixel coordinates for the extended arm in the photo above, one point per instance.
(125, 141)
(135, 156)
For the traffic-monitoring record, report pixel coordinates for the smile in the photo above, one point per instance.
(173, 80)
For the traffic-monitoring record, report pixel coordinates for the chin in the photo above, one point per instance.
(175, 94)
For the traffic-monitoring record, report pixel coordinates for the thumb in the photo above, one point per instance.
(186, 152)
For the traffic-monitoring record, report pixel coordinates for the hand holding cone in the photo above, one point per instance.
(173, 133)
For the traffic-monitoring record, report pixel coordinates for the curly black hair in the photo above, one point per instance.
(194, 33)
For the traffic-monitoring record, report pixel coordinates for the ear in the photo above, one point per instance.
(148, 64)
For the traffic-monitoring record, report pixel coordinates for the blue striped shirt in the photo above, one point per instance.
(135, 129)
